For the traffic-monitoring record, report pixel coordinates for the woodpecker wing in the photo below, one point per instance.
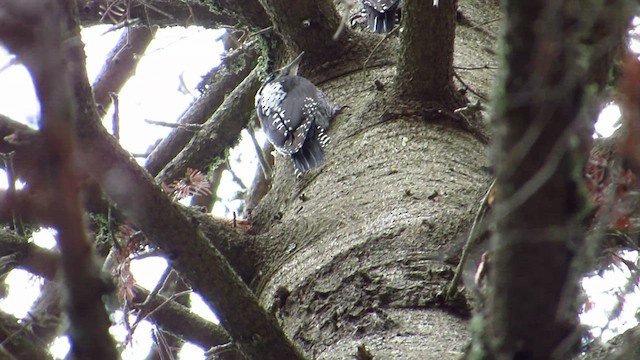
(288, 108)
(294, 115)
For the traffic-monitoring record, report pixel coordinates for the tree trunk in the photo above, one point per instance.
(354, 253)
(354, 258)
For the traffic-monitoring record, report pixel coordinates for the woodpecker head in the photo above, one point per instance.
(289, 69)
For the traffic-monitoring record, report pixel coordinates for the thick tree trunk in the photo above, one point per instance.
(353, 253)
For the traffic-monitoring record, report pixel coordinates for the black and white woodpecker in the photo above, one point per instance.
(295, 115)
(381, 14)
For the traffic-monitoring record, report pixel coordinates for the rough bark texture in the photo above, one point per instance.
(353, 253)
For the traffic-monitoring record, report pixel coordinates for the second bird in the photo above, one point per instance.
(295, 115)
(381, 14)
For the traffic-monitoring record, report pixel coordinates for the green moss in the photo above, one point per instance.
(265, 46)
(99, 225)
(214, 7)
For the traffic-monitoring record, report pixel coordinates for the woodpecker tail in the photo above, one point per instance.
(381, 22)
(312, 152)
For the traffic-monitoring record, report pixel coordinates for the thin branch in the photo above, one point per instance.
(188, 127)
(483, 67)
(467, 87)
(121, 64)
(19, 342)
(225, 79)
(170, 316)
(255, 331)
(262, 158)
(218, 134)
(163, 13)
(43, 47)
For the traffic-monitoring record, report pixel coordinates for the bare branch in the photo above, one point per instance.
(225, 79)
(256, 332)
(42, 46)
(218, 134)
(158, 12)
(121, 64)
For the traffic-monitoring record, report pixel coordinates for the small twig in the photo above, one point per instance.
(147, 5)
(188, 127)
(123, 24)
(483, 67)
(143, 307)
(12, 61)
(162, 344)
(159, 286)
(259, 32)
(366, 62)
(170, 299)
(237, 41)
(485, 23)
(7, 159)
(110, 10)
(25, 326)
(235, 177)
(217, 350)
(262, 157)
(455, 74)
(148, 254)
(632, 267)
(474, 235)
(115, 121)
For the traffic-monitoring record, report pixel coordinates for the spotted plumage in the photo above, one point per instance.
(294, 115)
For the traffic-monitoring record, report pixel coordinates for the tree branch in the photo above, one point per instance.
(541, 133)
(28, 256)
(41, 45)
(180, 321)
(225, 79)
(218, 134)
(307, 26)
(255, 332)
(19, 341)
(425, 65)
(168, 314)
(121, 64)
(235, 246)
(155, 12)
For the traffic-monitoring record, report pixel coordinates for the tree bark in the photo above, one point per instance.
(355, 257)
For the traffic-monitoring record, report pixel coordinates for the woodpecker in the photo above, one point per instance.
(381, 14)
(295, 115)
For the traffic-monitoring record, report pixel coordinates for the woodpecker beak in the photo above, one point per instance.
(292, 67)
